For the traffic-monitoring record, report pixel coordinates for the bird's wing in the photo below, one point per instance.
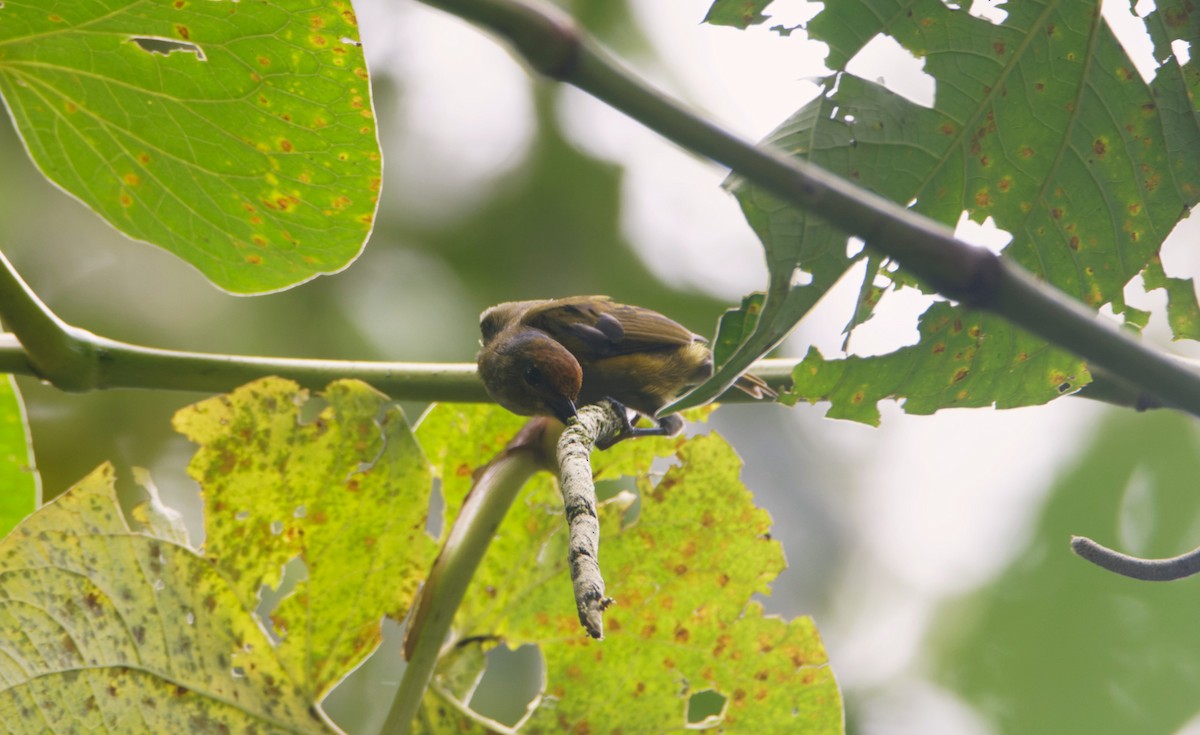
(594, 325)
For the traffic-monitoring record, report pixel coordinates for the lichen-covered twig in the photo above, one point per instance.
(595, 422)
(1148, 570)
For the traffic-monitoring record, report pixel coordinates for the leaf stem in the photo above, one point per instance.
(494, 490)
(74, 359)
(1147, 570)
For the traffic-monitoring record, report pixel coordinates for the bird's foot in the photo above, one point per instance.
(665, 426)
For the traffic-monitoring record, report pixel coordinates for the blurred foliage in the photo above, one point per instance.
(1058, 645)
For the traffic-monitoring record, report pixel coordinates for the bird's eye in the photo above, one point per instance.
(533, 376)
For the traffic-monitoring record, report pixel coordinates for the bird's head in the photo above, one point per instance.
(529, 373)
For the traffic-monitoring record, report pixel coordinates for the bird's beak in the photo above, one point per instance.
(563, 408)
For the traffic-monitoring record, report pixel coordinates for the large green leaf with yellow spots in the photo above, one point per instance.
(684, 640)
(1040, 122)
(340, 499)
(238, 135)
(314, 531)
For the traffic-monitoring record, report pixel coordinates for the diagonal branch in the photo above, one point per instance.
(552, 44)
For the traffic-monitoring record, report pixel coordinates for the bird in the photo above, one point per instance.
(548, 356)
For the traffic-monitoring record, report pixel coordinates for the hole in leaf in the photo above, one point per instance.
(895, 67)
(167, 46)
(705, 707)
(989, 10)
(292, 573)
(1182, 50)
(801, 277)
(854, 246)
(511, 684)
(985, 234)
(1130, 30)
(435, 521)
(238, 672)
(309, 410)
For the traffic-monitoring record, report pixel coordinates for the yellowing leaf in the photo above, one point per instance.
(682, 573)
(107, 630)
(345, 494)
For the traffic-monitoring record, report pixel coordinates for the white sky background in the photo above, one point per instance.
(941, 503)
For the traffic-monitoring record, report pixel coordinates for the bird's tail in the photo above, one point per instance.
(755, 386)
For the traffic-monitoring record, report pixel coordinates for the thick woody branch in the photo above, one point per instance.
(1148, 570)
(597, 422)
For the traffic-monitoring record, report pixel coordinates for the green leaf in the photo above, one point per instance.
(1183, 313)
(682, 573)
(1041, 123)
(459, 439)
(239, 136)
(736, 326)
(107, 630)
(18, 476)
(737, 13)
(346, 495)
(868, 296)
(963, 360)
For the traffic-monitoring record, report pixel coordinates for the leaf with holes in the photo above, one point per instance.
(684, 630)
(345, 496)
(1040, 122)
(239, 136)
(112, 630)
(952, 366)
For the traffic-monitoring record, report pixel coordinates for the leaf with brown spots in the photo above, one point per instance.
(682, 573)
(737, 13)
(108, 630)
(1039, 122)
(221, 133)
(346, 495)
(955, 364)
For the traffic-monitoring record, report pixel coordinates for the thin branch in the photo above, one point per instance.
(593, 423)
(1147, 570)
(495, 488)
(553, 44)
(74, 359)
